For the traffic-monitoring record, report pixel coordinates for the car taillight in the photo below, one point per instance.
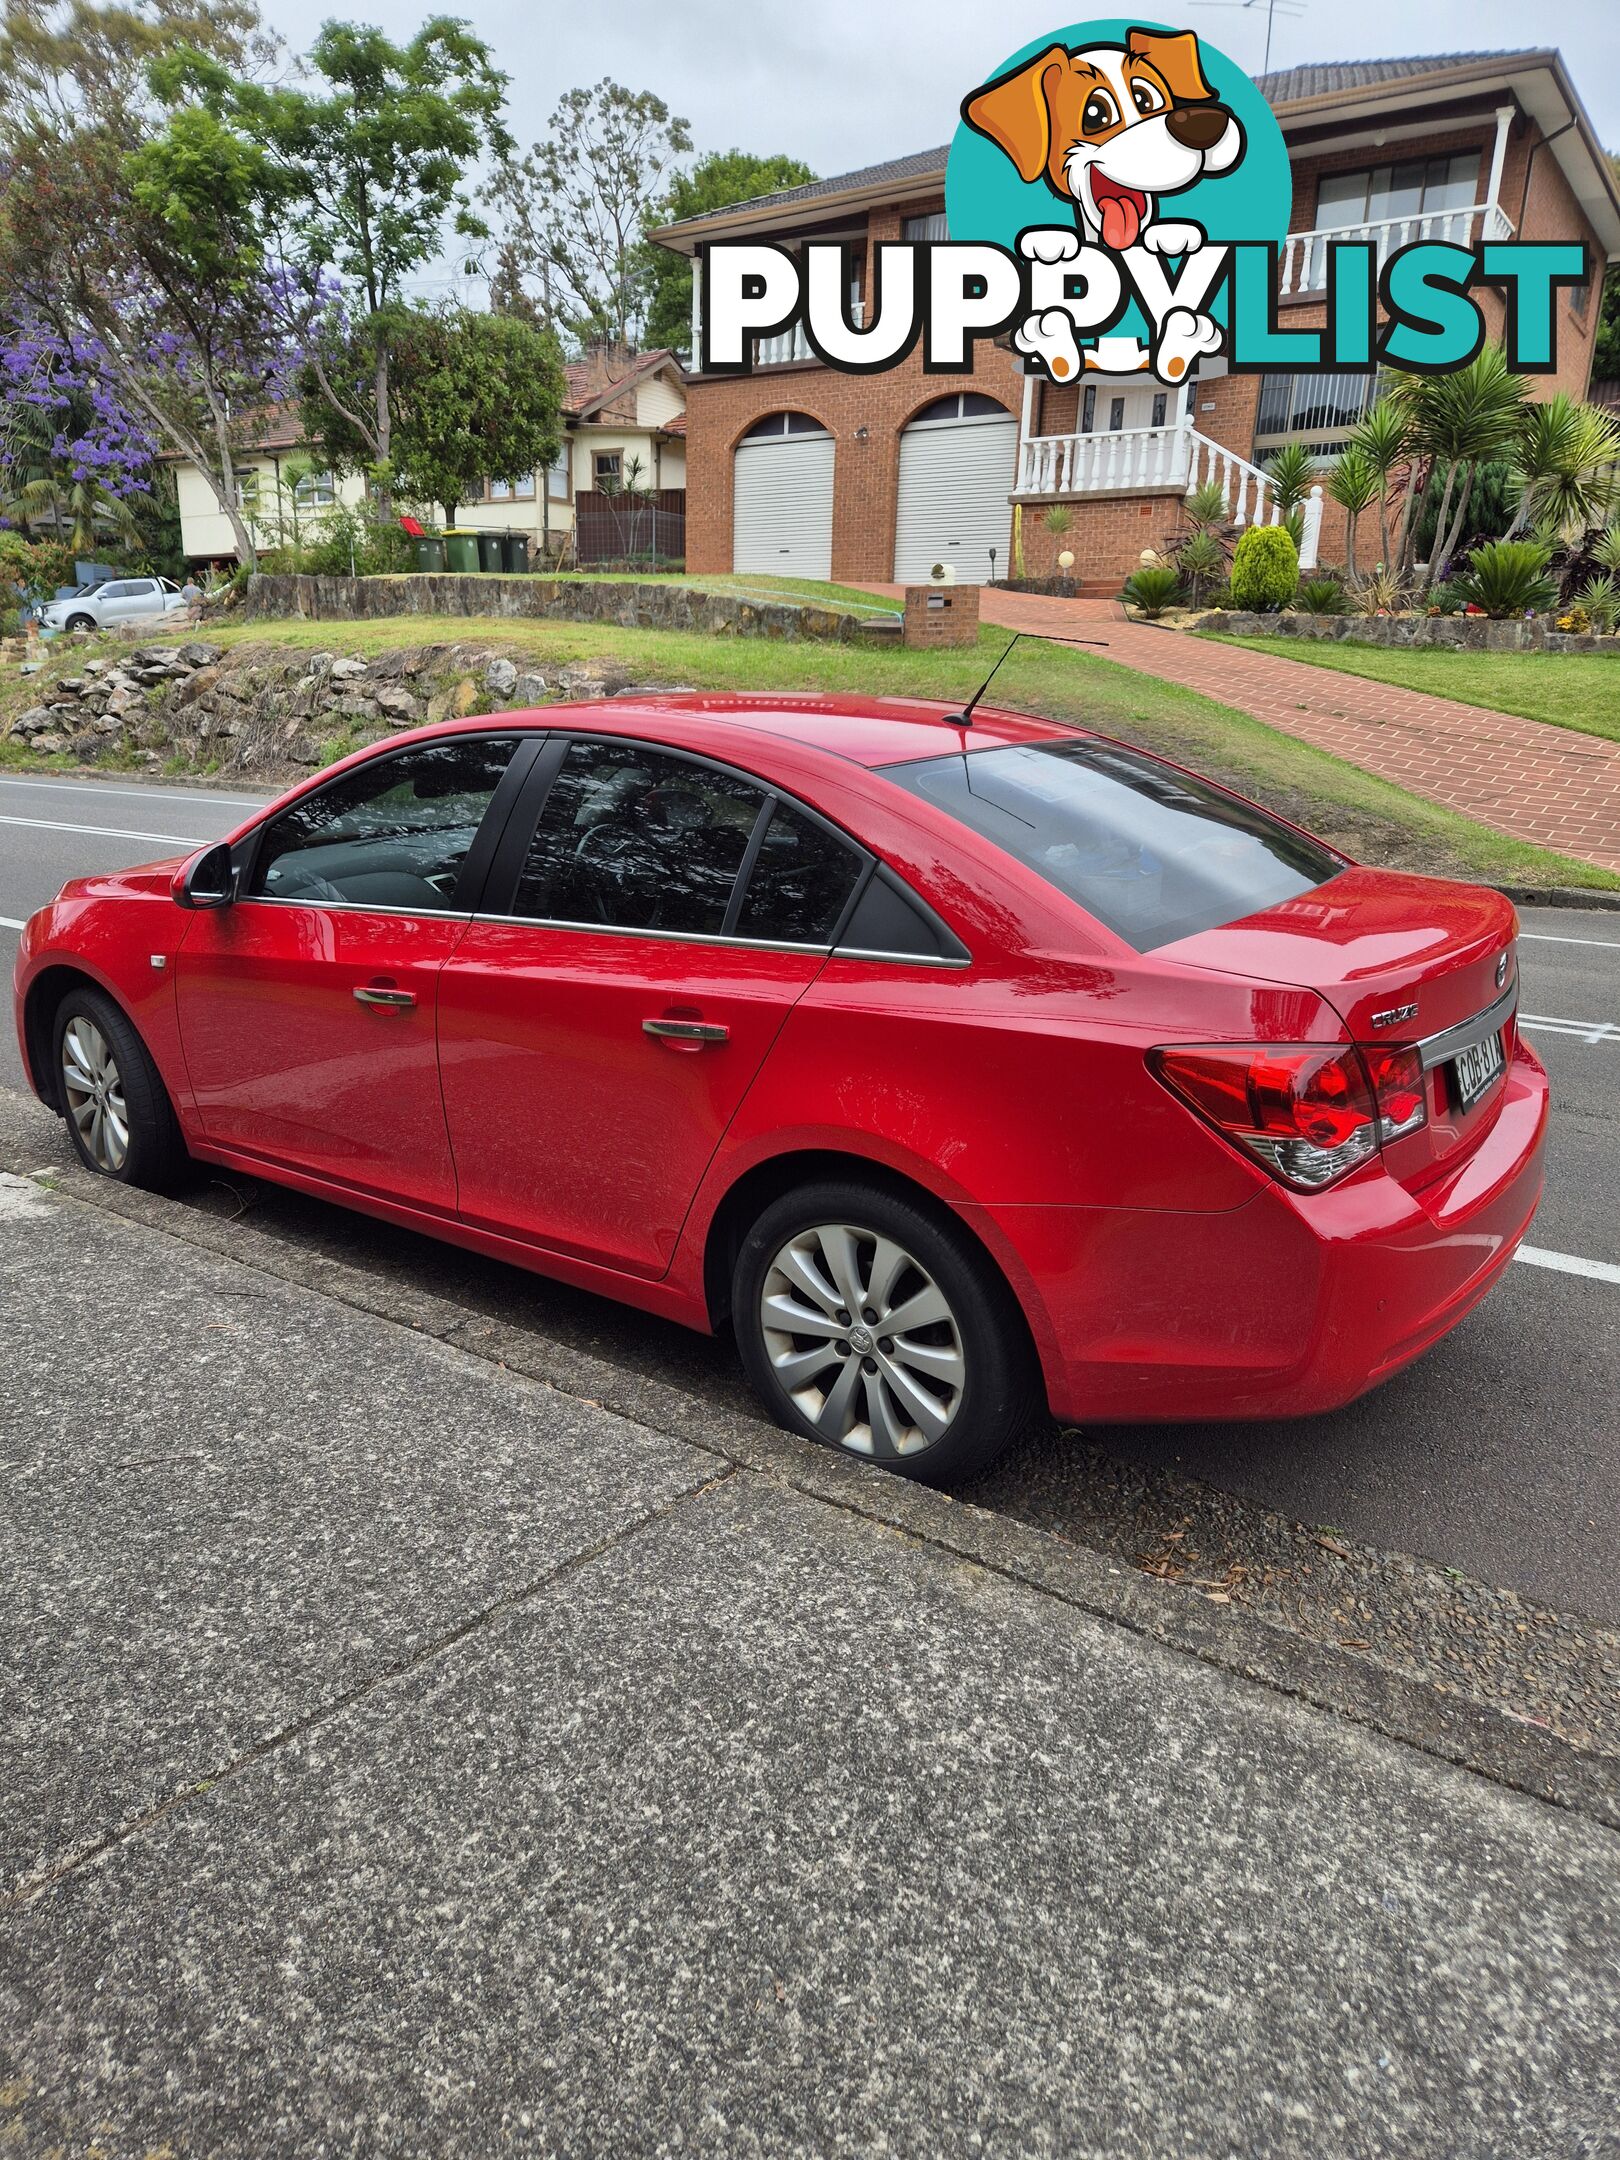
(1311, 1113)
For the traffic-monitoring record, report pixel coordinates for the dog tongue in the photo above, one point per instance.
(1121, 221)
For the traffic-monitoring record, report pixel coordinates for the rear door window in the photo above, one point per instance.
(632, 838)
(1152, 853)
(801, 881)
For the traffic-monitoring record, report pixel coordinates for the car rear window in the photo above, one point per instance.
(1150, 852)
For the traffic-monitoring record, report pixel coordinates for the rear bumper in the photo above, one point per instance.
(1290, 1305)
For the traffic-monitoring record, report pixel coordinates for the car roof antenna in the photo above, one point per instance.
(964, 718)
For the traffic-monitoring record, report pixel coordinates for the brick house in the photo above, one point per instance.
(804, 470)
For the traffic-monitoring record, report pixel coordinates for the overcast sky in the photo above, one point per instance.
(843, 83)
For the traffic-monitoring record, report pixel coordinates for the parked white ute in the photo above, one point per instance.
(120, 600)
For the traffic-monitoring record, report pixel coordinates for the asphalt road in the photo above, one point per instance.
(1498, 1454)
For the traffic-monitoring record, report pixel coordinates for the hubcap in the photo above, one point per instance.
(95, 1093)
(863, 1340)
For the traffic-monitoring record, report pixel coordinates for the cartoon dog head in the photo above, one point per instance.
(1111, 128)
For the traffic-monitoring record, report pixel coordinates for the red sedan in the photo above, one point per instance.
(953, 1067)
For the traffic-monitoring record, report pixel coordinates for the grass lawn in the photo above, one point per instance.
(1572, 690)
(1368, 818)
(814, 593)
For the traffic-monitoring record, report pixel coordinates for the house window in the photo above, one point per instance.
(1578, 297)
(247, 492)
(930, 227)
(1116, 415)
(784, 423)
(608, 465)
(316, 491)
(503, 491)
(1088, 408)
(1418, 187)
(1161, 405)
(1316, 410)
(557, 478)
(960, 405)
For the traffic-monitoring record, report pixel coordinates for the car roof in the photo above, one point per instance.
(870, 731)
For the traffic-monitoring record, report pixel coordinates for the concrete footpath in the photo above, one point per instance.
(401, 1756)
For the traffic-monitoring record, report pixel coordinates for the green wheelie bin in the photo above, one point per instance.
(461, 550)
(429, 552)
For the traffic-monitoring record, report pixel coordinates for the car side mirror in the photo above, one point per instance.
(208, 880)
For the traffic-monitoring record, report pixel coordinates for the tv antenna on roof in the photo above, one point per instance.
(1273, 8)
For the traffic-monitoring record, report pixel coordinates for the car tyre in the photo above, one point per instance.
(876, 1325)
(117, 1110)
(81, 622)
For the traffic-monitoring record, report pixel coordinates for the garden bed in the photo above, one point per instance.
(1464, 633)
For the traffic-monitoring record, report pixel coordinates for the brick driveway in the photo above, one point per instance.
(1552, 786)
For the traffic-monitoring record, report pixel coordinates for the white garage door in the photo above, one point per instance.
(783, 499)
(956, 472)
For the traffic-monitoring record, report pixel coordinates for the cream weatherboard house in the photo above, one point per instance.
(799, 469)
(624, 416)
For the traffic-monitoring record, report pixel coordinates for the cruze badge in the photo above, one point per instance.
(1393, 1015)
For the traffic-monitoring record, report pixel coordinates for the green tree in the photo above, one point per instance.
(1459, 421)
(715, 182)
(1564, 462)
(477, 397)
(359, 178)
(577, 208)
(71, 66)
(1352, 482)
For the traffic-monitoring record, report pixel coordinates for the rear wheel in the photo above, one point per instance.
(868, 1323)
(118, 1110)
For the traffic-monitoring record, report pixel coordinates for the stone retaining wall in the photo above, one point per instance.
(1465, 633)
(629, 604)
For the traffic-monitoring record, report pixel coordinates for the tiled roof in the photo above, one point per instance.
(1285, 86)
(591, 383)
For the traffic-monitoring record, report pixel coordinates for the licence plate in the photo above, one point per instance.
(1475, 1068)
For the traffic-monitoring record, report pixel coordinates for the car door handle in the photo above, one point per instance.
(687, 1031)
(389, 1000)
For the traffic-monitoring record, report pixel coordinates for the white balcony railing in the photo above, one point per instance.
(793, 344)
(1303, 266)
(1138, 458)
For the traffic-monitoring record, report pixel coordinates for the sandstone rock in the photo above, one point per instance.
(198, 685)
(74, 685)
(500, 678)
(593, 679)
(305, 750)
(398, 705)
(31, 722)
(529, 689)
(202, 656)
(347, 669)
(44, 744)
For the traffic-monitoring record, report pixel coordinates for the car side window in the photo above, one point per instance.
(631, 838)
(391, 834)
(801, 881)
(114, 592)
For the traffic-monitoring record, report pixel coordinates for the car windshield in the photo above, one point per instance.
(1150, 852)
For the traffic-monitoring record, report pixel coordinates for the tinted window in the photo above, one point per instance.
(801, 882)
(114, 592)
(390, 834)
(888, 919)
(633, 839)
(1151, 853)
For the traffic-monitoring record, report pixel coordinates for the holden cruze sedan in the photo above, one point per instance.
(955, 1068)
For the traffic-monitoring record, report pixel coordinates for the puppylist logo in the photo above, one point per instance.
(1116, 197)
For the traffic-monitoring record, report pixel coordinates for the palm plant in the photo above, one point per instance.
(1291, 473)
(1458, 421)
(1606, 549)
(79, 509)
(1353, 483)
(1600, 596)
(1057, 520)
(1564, 463)
(1508, 577)
(1200, 558)
(1384, 437)
(1206, 506)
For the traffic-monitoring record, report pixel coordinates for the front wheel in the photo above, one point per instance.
(81, 622)
(118, 1110)
(869, 1323)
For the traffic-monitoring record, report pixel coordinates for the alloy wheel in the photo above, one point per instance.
(95, 1093)
(863, 1340)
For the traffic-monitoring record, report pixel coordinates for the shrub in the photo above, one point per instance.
(1058, 519)
(1380, 592)
(1206, 506)
(1152, 589)
(1320, 596)
(1201, 561)
(1600, 598)
(1446, 600)
(1508, 577)
(350, 537)
(1265, 569)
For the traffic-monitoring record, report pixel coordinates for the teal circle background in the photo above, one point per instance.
(986, 200)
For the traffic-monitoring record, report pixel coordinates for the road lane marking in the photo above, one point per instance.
(1586, 1031)
(107, 832)
(13, 922)
(1546, 937)
(1568, 1263)
(158, 795)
